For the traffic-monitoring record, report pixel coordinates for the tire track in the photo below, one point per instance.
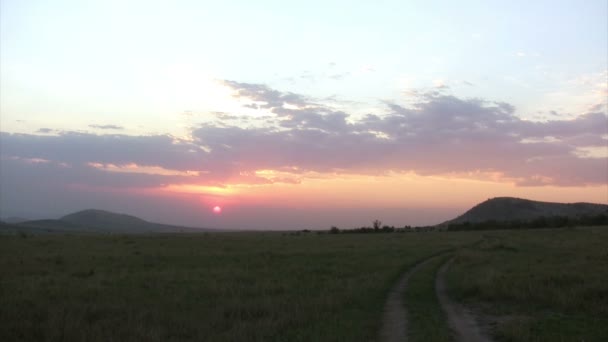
(394, 321)
(460, 320)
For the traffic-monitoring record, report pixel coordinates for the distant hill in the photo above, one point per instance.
(103, 219)
(100, 221)
(505, 209)
(14, 219)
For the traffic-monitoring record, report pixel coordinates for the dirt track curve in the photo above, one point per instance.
(395, 321)
(463, 324)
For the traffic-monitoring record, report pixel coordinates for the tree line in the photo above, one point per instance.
(377, 227)
(540, 222)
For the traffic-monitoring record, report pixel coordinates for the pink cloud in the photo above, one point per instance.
(438, 135)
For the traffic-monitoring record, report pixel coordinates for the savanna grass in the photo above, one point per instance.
(538, 285)
(213, 287)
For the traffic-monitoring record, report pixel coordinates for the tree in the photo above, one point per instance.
(377, 225)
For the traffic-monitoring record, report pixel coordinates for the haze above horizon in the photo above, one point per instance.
(303, 115)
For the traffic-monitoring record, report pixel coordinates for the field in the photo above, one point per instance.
(540, 285)
(215, 287)
(537, 285)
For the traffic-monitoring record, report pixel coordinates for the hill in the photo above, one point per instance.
(14, 219)
(508, 209)
(100, 221)
(103, 219)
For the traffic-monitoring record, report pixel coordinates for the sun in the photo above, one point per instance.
(217, 209)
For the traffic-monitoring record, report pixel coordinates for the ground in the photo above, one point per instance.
(298, 287)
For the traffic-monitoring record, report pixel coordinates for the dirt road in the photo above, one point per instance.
(460, 320)
(395, 321)
(394, 326)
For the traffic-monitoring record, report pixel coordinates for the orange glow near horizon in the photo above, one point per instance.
(200, 189)
(386, 191)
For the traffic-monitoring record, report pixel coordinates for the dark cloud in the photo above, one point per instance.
(107, 127)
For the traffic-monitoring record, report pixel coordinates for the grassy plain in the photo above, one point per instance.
(537, 285)
(214, 287)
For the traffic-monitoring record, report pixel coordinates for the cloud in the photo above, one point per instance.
(367, 69)
(115, 127)
(339, 76)
(226, 116)
(262, 93)
(45, 130)
(440, 84)
(58, 175)
(82, 148)
(439, 135)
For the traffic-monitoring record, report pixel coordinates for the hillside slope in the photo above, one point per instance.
(503, 209)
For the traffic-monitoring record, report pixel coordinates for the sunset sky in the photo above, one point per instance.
(300, 115)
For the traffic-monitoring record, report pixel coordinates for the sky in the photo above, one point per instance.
(301, 115)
